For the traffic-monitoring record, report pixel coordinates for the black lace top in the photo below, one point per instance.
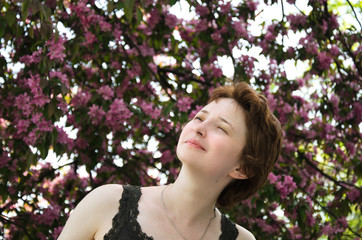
(126, 227)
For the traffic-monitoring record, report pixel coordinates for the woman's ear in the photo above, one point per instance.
(238, 173)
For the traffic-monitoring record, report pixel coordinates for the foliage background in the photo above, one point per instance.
(125, 75)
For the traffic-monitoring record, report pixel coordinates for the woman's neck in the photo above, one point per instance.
(191, 199)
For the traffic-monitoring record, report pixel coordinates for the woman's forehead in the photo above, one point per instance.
(227, 106)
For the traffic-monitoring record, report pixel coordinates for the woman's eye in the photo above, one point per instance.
(198, 118)
(222, 129)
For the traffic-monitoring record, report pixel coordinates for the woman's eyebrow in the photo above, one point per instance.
(221, 118)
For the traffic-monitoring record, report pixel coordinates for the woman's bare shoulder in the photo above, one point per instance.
(96, 209)
(244, 234)
(103, 197)
(111, 191)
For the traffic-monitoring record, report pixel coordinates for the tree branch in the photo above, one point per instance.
(339, 183)
(355, 15)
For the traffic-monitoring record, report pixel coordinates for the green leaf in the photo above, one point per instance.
(172, 2)
(51, 108)
(128, 9)
(10, 17)
(54, 136)
(45, 11)
(2, 26)
(35, 7)
(3, 62)
(110, 7)
(139, 16)
(166, 111)
(25, 9)
(43, 83)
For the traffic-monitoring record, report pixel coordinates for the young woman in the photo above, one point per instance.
(227, 151)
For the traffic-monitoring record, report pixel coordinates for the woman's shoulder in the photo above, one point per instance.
(105, 195)
(244, 234)
(92, 212)
(108, 190)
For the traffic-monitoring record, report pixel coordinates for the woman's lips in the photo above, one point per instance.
(195, 144)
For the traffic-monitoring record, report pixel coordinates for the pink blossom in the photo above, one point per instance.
(342, 222)
(171, 20)
(81, 98)
(166, 157)
(57, 231)
(61, 76)
(90, 38)
(104, 25)
(186, 34)
(22, 102)
(22, 126)
(216, 36)
(357, 111)
(145, 29)
(48, 216)
(153, 67)
(62, 136)
(286, 187)
(311, 188)
(154, 18)
(333, 22)
(201, 10)
(35, 57)
(40, 100)
(334, 51)
(263, 225)
(135, 71)
(225, 8)
(148, 108)
(96, 113)
(106, 92)
(309, 43)
(117, 34)
(45, 126)
(248, 64)
(146, 50)
(184, 103)
(273, 178)
(165, 124)
(4, 160)
(132, 52)
(202, 25)
(324, 26)
(353, 194)
(31, 138)
(334, 100)
(56, 48)
(117, 114)
(296, 21)
(81, 143)
(240, 28)
(62, 105)
(252, 5)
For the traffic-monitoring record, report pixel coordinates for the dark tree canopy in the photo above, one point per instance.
(105, 86)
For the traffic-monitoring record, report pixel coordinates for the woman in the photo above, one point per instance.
(227, 151)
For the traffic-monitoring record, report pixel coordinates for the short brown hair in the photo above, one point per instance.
(263, 142)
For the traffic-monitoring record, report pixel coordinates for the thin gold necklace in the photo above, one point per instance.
(174, 225)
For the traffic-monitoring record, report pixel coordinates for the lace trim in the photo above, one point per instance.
(126, 218)
(125, 221)
(228, 229)
(135, 193)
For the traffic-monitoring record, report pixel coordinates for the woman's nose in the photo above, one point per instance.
(201, 130)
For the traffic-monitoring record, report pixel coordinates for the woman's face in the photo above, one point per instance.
(213, 140)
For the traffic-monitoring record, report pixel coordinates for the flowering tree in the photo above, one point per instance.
(104, 86)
